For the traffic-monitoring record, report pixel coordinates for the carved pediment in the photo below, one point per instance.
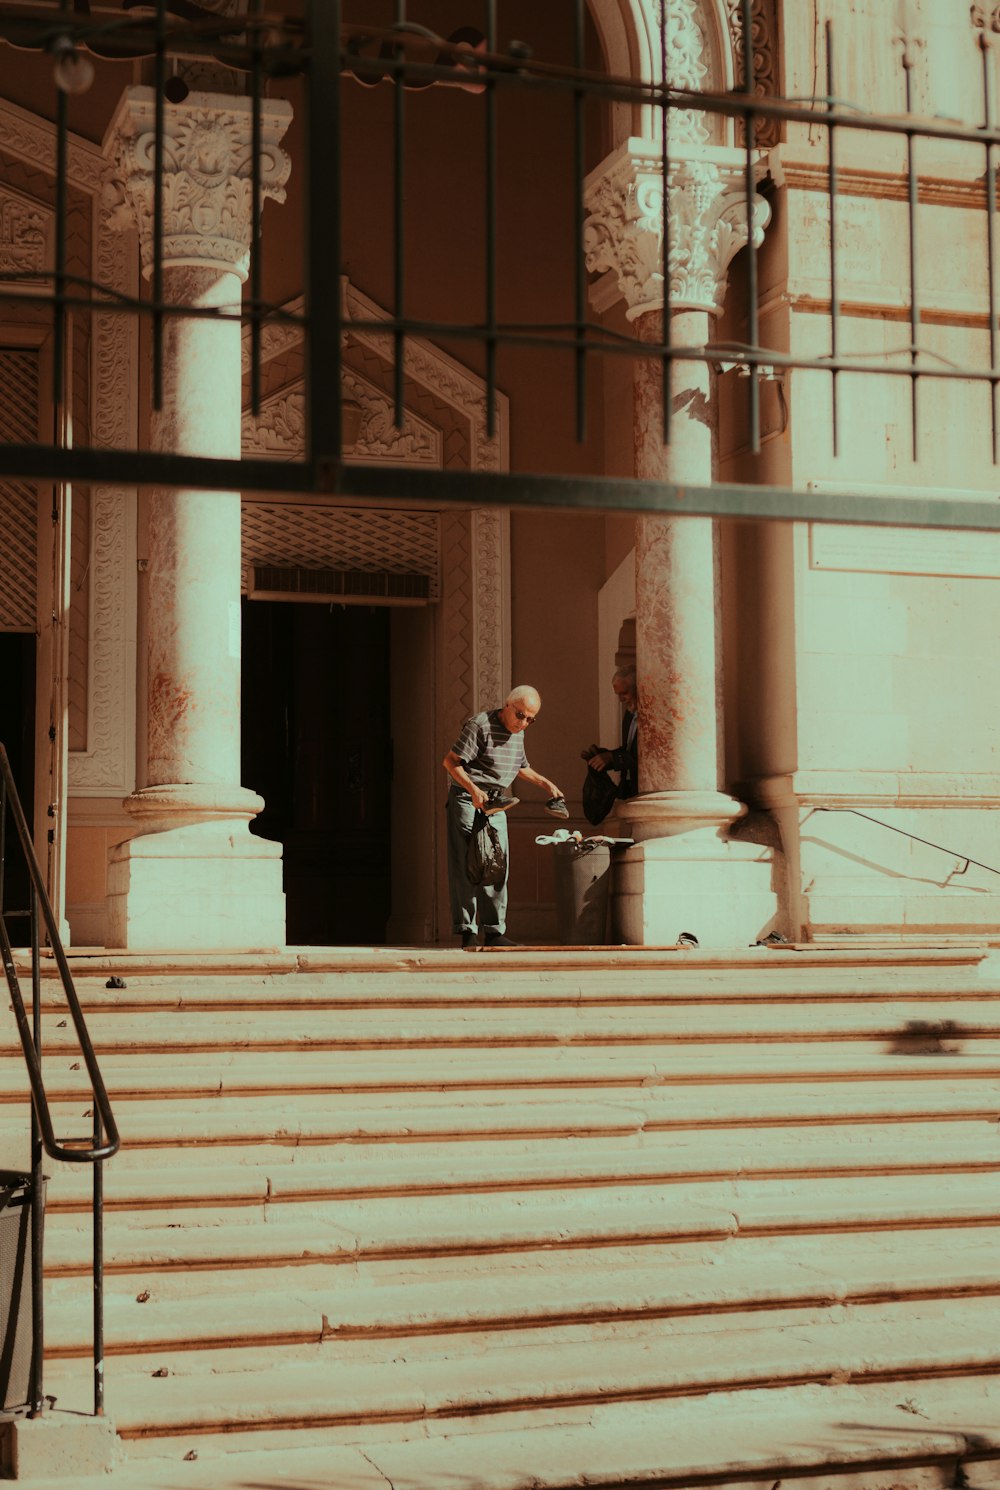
(25, 238)
(278, 431)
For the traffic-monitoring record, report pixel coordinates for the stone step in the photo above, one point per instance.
(486, 1025)
(712, 1283)
(462, 980)
(941, 1433)
(279, 1173)
(424, 1116)
(428, 1225)
(211, 1074)
(178, 1393)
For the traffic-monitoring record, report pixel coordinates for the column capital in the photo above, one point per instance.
(207, 175)
(623, 233)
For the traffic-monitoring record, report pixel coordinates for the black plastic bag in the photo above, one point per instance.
(600, 792)
(485, 860)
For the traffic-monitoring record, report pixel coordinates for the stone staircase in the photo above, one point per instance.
(617, 1218)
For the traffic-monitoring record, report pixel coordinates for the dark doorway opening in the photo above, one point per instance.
(17, 733)
(317, 747)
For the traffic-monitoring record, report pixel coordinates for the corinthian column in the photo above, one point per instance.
(678, 599)
(193, 874)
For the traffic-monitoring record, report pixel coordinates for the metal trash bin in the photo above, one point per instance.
(582, 884)
(16, 1328)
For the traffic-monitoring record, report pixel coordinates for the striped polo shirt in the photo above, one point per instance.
(491, 755)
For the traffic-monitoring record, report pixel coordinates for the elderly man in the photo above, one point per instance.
(625, 757)
(485, 759)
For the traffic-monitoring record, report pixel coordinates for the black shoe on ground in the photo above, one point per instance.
(499, 801)
(470, 939)
(687, 939)
(498, 939)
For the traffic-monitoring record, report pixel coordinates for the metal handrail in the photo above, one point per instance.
(928, 842)
(104, 1140)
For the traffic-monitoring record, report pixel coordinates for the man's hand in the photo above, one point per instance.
(478, 797)
(600, 760)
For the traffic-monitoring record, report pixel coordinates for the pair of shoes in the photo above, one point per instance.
(773, 939)
(498, 939)
(498, 801)
(470, 939)
(687, 939)
(557, 807)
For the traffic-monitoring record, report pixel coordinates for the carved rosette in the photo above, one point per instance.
(207, 175)
(623, 234)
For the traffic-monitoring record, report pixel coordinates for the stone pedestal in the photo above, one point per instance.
(193, 876)
(720, 889)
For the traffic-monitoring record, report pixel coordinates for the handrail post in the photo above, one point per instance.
(43, 1139)
(36, 1392)
(98, 1220)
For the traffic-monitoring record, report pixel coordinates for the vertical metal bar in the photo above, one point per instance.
(579, 269)
(991, 235)
(256, 267)
(3, 831)
(834, 284)
(912, 201)
(59, 308)
(666, 361)
(753, 318)
(59, 325)
(324, 435)
(399, 211)
(491, 226)
(159, 145)
(37, 1186)
(98, 1174)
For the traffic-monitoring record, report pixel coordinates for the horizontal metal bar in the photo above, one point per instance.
(436, 488)
(209, 36)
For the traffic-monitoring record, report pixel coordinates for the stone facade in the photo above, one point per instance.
(819, 738)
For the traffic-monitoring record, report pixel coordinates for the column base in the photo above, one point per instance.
(210, 886)
(665, 814)
(721, 890)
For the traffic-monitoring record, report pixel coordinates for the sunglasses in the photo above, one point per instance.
(524, 718)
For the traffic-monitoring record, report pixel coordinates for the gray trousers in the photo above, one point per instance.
(466, 899)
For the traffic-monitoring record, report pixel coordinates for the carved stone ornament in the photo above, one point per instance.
(687, 49)
(207, 171)
(623, 234)
(985, 17)
(279, 429)
(762, 41)
(25, 232)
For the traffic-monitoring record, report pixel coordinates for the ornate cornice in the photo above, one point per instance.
(207, 177)
(623, 235)
(29, 138)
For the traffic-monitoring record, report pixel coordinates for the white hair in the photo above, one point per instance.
(522, 694)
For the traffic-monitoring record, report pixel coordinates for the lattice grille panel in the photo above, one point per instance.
(287, 536)
(18, 502)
